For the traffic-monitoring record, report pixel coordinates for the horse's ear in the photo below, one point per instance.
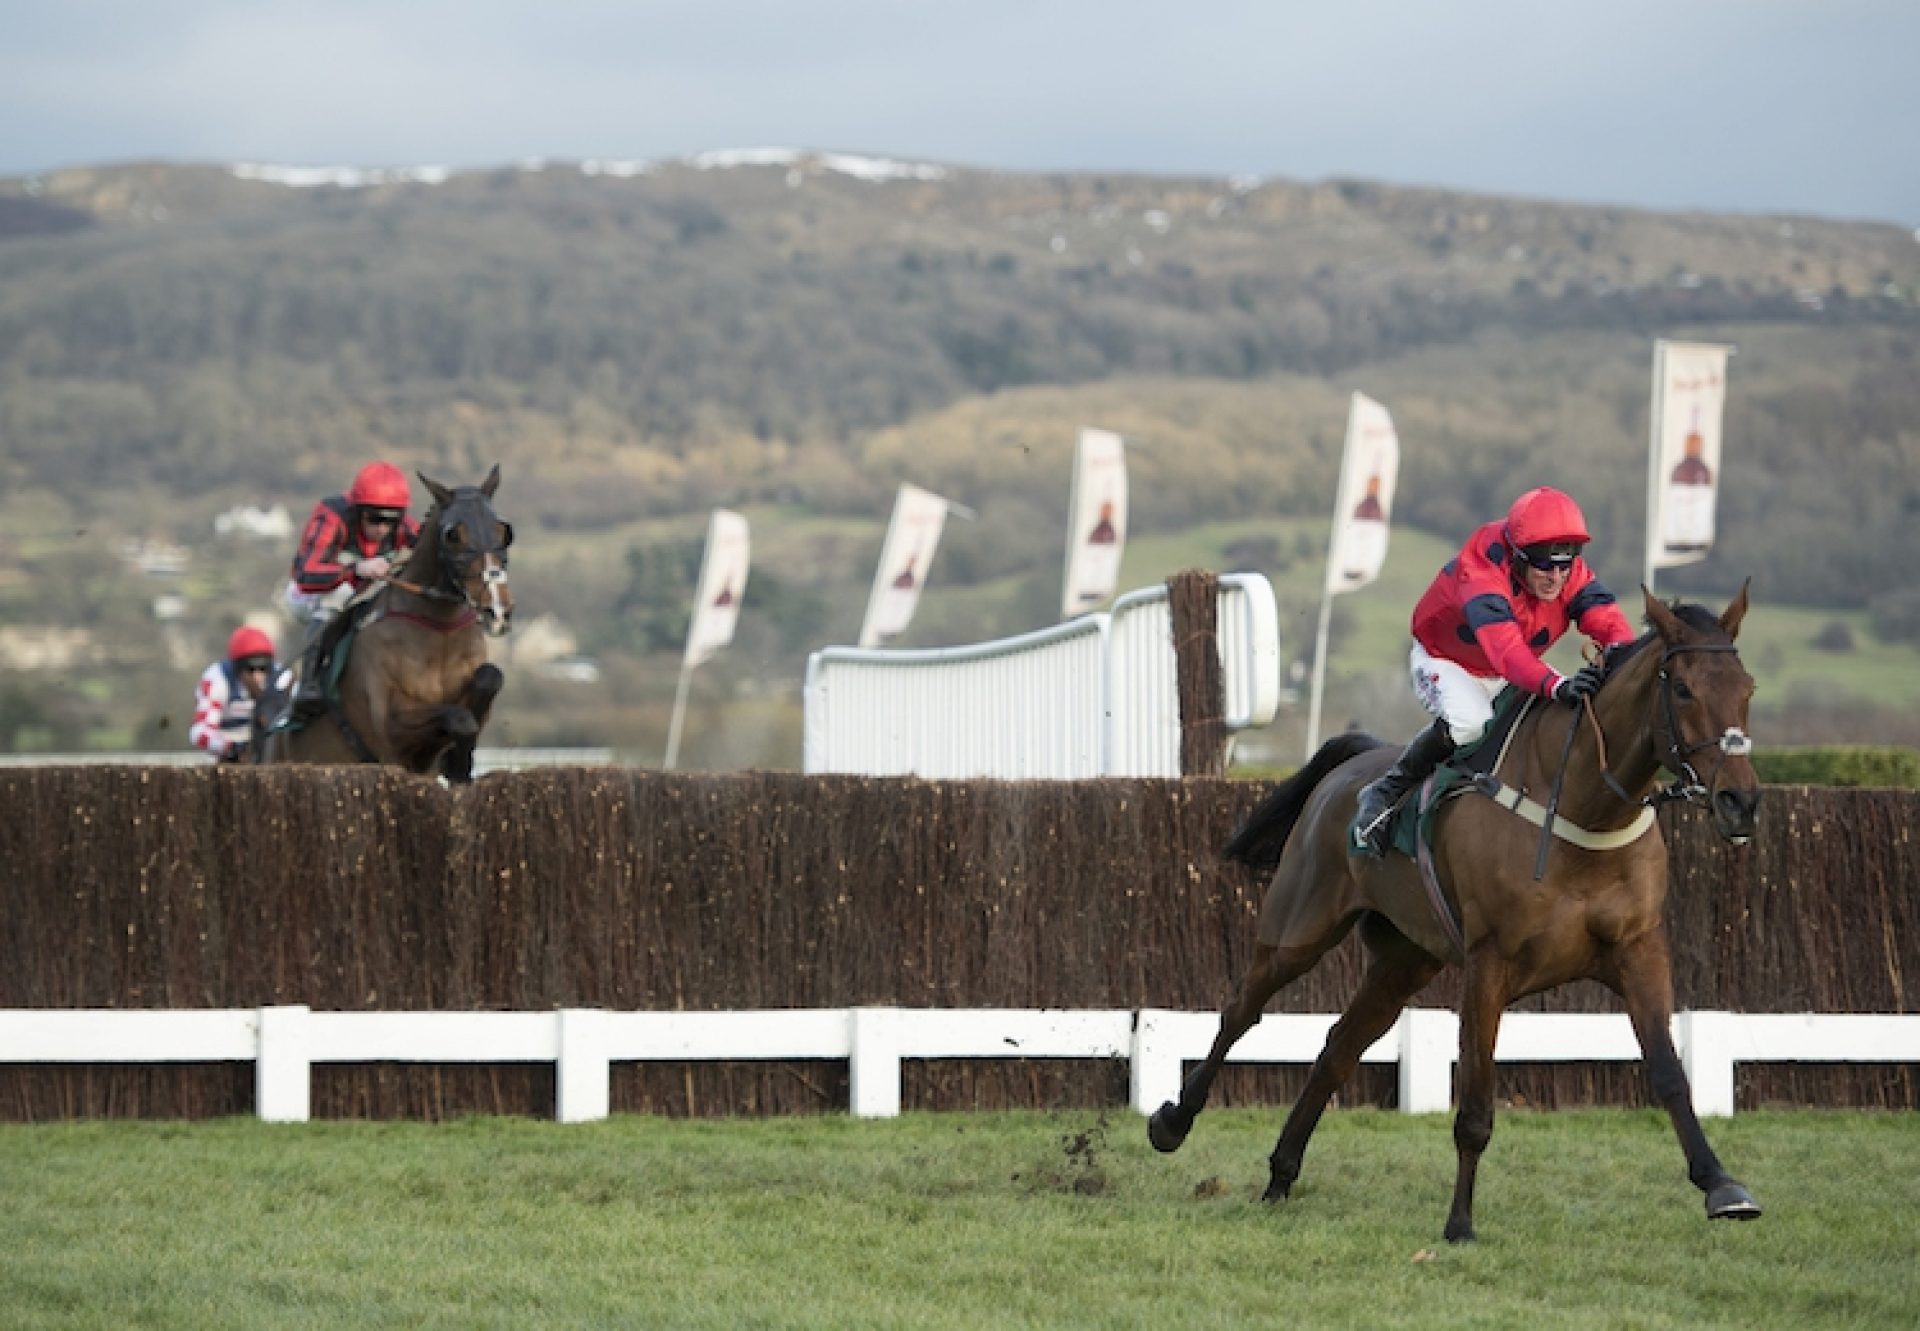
(492, 483)
(1730, 617)
(1664, 621)
(441, 494)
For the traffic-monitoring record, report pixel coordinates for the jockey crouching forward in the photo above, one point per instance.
(229, 689)
(1483, 624)
(350, 541)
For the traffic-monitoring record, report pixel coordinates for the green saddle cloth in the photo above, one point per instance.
(336, 667)
(1405, 831)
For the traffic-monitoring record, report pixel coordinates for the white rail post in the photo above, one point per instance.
(873, 1064)
(283, 1067)
(1706, 1053)
(1154, 1070)
(582, 1075)
(1429, 1039)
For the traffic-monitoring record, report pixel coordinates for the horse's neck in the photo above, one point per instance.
(422, 569)
(1625, 712)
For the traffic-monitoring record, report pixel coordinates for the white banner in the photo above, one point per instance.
(723, 584)
(905, 556)
(1363, 509)
(1683, 482)
(1096, 522)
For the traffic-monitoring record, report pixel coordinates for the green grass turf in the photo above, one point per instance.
(947, 1221)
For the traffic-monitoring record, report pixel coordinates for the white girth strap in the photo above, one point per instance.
(1509, 798)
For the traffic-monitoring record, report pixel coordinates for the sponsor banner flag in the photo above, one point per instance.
(1097, 522)
(1689, 400)
(1363, 510)
(723, 584)
(905, 556)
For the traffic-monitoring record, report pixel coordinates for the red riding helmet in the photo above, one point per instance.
(1543, 515)
(248, 641)
(380, 485)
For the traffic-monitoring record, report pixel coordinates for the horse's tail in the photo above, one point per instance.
(1258, 841)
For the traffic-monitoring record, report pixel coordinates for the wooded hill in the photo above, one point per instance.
(796, 337)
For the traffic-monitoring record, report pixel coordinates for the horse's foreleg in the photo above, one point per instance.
(1482, 1000)
(1399, 970)
(1273, 968)
(457, 763)
(1643, 977)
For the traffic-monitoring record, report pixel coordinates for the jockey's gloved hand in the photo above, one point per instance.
(1573, 691)
(1590, 677)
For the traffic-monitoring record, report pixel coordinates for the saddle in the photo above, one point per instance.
(358, 615)
(1470, 767)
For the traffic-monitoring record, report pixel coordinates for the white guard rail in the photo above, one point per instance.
(1095, 696)
(484, 760)
(284, 1043)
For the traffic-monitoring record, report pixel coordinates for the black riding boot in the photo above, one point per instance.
(310, 693)
(1424, 752)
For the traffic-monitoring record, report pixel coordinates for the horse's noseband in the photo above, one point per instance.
(1733, 742)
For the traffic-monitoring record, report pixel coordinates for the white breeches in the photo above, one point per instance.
(322, 606)
(1454, 694)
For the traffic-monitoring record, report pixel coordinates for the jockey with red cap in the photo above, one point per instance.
(350, 541)
(1484, 623)
(224, 700)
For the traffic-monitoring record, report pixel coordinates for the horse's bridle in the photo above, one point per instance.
(453, 570)
(1687, 785)
(1732, 742)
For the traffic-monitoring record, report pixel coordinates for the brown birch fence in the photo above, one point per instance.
(363, 889)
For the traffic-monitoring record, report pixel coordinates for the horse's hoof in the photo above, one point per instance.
(1277, 1192)
(1460, 1231)
(1162, 1130)
(1730, 1201)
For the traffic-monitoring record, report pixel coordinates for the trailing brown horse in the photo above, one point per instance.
(1675, 696)
(417, 685)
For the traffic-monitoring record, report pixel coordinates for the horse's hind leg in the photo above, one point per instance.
(1399, 970)
(1273, 968)
(1642, 975)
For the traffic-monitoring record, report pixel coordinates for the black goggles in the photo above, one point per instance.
(1549, 556)
(264, 664)
(382, 517)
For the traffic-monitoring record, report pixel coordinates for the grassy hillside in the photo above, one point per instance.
(793, 341)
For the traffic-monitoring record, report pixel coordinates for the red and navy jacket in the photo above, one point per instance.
(316, 565)
(1478, 614)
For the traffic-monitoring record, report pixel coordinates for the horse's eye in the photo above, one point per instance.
(451, 536)
(504, 537)
(1681, 692)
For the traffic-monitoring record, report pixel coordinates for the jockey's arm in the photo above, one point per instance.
(1491, 620)
(1593, 608)
(209, 708)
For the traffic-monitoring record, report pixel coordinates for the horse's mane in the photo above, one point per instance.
(1690, 613)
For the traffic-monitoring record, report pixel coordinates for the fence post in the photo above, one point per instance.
(1429, 1039)
(283, 1067)
(1706, 1053)
(873, 1072)
(582, 1076)
(1154, 1069)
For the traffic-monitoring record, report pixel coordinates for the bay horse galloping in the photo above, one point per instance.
(417, 685)
(1673, 697)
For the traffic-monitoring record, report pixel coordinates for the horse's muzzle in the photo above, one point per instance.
(1735, 812)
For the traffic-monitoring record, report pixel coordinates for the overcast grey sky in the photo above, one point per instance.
(1799, 106)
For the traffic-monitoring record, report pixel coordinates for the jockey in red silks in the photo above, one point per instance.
(350, 541)
(1484, 623)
